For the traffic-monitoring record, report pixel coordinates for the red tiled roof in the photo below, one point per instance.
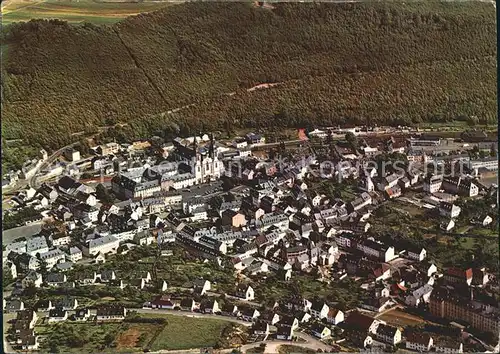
(459, 273)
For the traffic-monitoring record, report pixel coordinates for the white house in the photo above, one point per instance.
(319, 310)
(321, 331)
(375, 249)
(60, 240)
(448, 225)
(52, 257)
(420, 342)
(417, 254)
(106, 244)
(201, 286)
(245, 292)
(37, 245)
(448, 346)
(111, 313)
(17, 247)
(57, 315)
(335, 316)
(388, 334)
(449, 210)
(74, 254)
(421, 294)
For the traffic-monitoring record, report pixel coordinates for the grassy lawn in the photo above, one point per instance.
(75, 12)
(187, 332)
(484, 231)
(410, 208)
(467, 242)
(286, 349)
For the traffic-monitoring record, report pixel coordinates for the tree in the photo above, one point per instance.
(472, 120)
(7, 277)
(352, 140)
(84, 147)
(103, 194)
(109, 339)
(493, 150)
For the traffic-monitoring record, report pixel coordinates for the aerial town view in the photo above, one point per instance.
(249, 177)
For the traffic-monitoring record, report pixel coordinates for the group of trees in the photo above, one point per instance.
(366, 62)
(17, 218)
(66, 336)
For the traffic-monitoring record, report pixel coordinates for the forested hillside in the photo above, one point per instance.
(337, 63)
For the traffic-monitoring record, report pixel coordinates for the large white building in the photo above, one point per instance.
(488, 163)
(37, 245)
(136, 183)
(281, 221)
(376, 250)
(106, 244)
(52, 257)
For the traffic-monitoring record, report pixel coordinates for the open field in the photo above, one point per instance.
(75, 11)
(178, 333)
(81, 337)
(286, 349)
(136, 335)
(187, 332)
(400, 318)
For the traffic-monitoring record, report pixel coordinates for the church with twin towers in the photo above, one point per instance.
(200, 154)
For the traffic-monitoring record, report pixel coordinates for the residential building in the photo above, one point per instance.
(13, 305)
(449, 210)
(456, 275)
(376, 250)
(320, 330)
(36, 245)
(111, 313)
(74, 254)
(245, 292)
(82, 315)
(55, 279)
(388, 334)
(44, 306)
(360, 322)
(32, 278)
(284, 333)
(432, 183)
(335, 316)
(319, 310)
(57, 315)
(418, 341)
(233, 218)
(105, 244)
(454, 306)
(52, 257)
(448, 345)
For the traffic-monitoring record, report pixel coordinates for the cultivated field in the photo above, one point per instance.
(400, 319)
(74, 11)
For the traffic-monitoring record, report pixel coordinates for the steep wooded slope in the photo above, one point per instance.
(367, 62)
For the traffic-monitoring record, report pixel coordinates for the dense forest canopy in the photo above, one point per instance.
(369, 62)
